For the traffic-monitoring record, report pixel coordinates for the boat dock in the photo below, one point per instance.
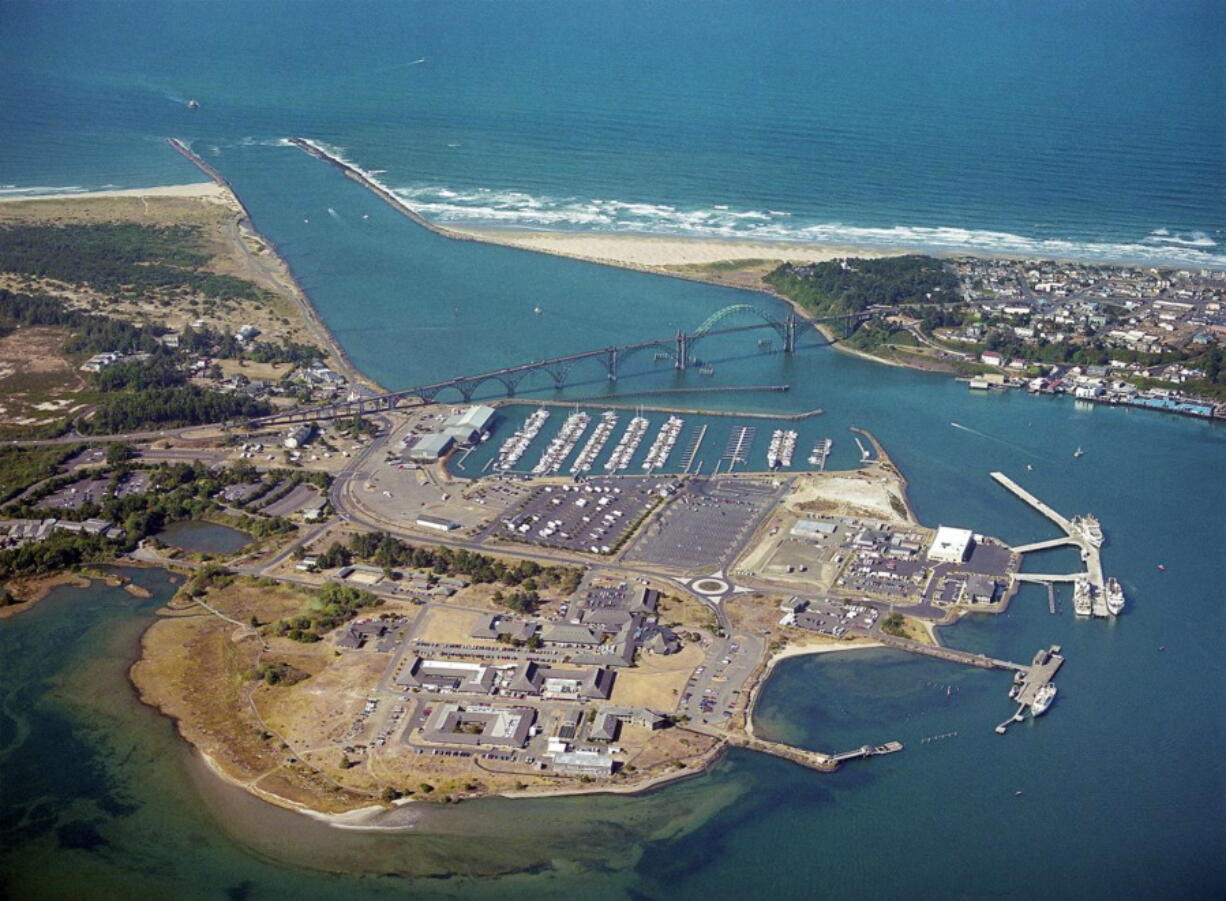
(1072, 536)
(1030, 681)
(691, 452)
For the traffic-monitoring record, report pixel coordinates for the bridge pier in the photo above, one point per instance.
(789, 334)
(683, 350)
(611, 365)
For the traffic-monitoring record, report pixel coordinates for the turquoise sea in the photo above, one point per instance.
(1090, 123)
(1092, 128)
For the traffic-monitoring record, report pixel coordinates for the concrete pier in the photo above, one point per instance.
(1072, 536)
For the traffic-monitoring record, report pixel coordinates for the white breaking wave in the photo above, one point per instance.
(1185, 239)
(14, 190)
(518, 209)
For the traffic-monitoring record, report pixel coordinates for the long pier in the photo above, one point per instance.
(1034, 502)
(1072, 535)
(953, 655)
(814, 760)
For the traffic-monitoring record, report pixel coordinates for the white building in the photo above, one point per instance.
(951, 545)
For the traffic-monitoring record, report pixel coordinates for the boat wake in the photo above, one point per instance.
(1017, 447)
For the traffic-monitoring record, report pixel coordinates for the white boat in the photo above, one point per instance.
(1115, 597)
(1090, 528)
(1042, 699)
(1083, 597)
(1079, 452)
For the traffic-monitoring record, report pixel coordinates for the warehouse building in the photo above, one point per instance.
(951, 545)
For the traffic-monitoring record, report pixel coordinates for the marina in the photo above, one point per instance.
(662, 447)
(739, 444)
(595, 443)
(821, 450)
(624, 452)
(513, 448)
(562, 444)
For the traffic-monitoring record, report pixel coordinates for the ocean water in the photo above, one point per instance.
(1092, 129)
(1096, 124)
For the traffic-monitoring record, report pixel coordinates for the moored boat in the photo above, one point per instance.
(1042, 699)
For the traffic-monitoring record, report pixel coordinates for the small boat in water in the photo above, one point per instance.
(1042, 699)
(1079, 452)
(193, 104)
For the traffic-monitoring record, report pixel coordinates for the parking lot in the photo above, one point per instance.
(705, 524)
(86, 491)
(592, 516)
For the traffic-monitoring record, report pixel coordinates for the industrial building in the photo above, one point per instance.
(951, 545)
(431, 448)
(468, 426)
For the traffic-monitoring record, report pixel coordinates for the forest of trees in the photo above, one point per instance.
(829, 288)
(119, 258)
(170, 407)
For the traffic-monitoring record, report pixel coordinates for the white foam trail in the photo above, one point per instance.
(1017, 447)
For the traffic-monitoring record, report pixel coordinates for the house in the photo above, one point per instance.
(991, 358)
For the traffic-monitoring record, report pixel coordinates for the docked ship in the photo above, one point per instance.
(1115, 596)
(1090, 528)
(1042, 699)
(1083, 597)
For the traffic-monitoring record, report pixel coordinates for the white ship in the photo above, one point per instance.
(1115, 597)
(1083, 597)
(1042, 699)
(1090, 528)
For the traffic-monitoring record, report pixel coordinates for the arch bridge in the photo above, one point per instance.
(678, 349)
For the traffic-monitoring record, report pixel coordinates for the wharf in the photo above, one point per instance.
(1029, 681)
(1072, 535)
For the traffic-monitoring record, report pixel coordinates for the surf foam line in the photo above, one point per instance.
(511, 209)
(438, 207)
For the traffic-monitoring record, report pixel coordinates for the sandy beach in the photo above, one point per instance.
(657, 251)
(205, 189)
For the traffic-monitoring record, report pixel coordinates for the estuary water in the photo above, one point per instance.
(1098, 125)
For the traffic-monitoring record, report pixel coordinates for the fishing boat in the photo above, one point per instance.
(193, 104)
(1115, 597)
